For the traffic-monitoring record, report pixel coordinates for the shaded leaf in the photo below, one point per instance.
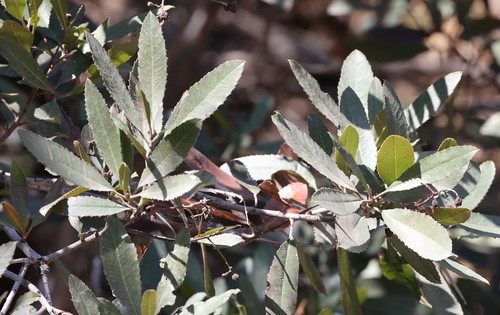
(396, 121)
(447, 143)
(72, 193)
(282, 280)
(148, 303)
(119, 260)
(336, 201)
(17, 33)
(13, 216)
(49, 112)
(88, 206)
(63, 162)
(429, 102)
(395, 156)
(24, 64)
(311, 270)
(152, 58)
(83, 298)
(352, 232)
(208, 282)
(170, 152)
(319, 133)
(324, 235)
(440, 296)
(7, 250)
(375, 100)
(19, 192)
(424, 267)
(310, 151)
(352, 112)
(61, 9)
(175, 186)
(321, 100)
(473, 198)
(419, 232)
(443, 169)
(451, 216)
(104, 131)
(240, 172)
(350, 300)
(209, 306)
(205, 96)
(114, 82)
(125, 27)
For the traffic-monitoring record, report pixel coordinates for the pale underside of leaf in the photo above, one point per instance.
(88, 206)
(352, 232)
(336, 201)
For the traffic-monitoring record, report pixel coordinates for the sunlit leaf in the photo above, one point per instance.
(148, 303)
(483, 184)
(429, 102)
(49, 112)
(152, 58)
(451, 216)
(375, 100)
(321, 100)
(174, 186)
(310, 151)
(394, 158)
(461, 270)
(89, 206)
(119, 260)
(83, 298)
(7, 250)
(350, 140)
(63, 162)
(357, 74)
(483, 225)
(16, 8)
(205, 96)
(447, 143)
(336, 201)
(15, 32)
(419, 232)
(282, 280)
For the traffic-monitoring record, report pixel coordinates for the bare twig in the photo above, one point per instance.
(13, 291)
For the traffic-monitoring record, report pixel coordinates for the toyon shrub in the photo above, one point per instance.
(365, 185)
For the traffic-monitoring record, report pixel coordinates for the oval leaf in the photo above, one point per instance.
(336, 201)
(63, 162)
(451, 216)
(350, 140)
(394, 158)
(148, 304)
(205, 96)
(88, 206)
(119, 260)
(283, 280)
(419, 232)
(447, 143)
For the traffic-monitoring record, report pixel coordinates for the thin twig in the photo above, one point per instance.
(224, 204)
(71, 247)
(13, 291)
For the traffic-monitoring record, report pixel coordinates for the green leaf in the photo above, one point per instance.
(119, 260)
(283, 280)
(419, 232)
(395, 156)
(19, 192)
(205, 96)
(13, 217)
(396, 120)
(49, 112)
(153, 68)
(222, 240)
(350, 140)
(174, 272)
(24, 64)
(208, 282)
(61, 9)
(356, 74)
(352, 232)
(336, 201)
(451, 216)
(310, 151)
(350, 301)
(106, 134)
(74, 192)
(447, 143)
(124, 177)
(63, 162)
(321, 100)
(352, 112)
(114, 82)
(16, 8)
(209, 306)
(170, 152)
(15, 32)
(7, 250)
(483, 225)
(429, 102)
(443, 169)
(319, 133)
(395, 269)
(34, 6)
(175, 186)
(118, 54)
(85, 301)
(483, 184)
(88, 206)
(440, 296)
(311, 270)
(424, 267)
(375, 100)
(148, 304)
